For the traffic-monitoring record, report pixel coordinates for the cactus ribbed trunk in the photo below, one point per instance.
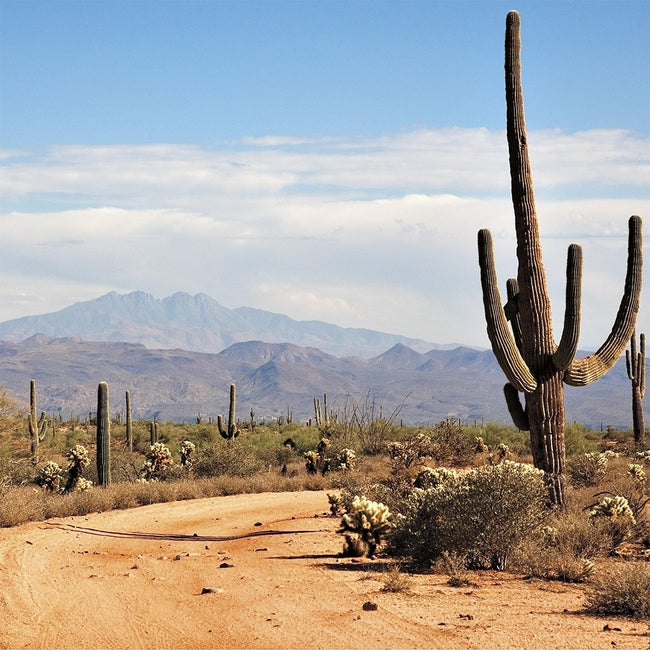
(545, 404)
(103, 436)
(526, 351)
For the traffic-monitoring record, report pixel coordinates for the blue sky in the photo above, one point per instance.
(327, 160)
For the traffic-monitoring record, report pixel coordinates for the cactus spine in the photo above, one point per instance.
(37, 426)
(531, 360)
(232, 431)
(129, 422)
(103, 436)
(635, 364)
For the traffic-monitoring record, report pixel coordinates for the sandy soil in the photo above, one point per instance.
(134, 579)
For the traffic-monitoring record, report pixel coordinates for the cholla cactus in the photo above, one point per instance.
(479, 445)
(617, 515)
(369, 520)
(616, 508)
(336, 504)
(430, 477)
(187, 449)
(78, 460)
(158, 460)
(49, 476)
(644, 456)
(407, 453)
(346, 459)
(83, 484)
(312, 462)
(637, 472)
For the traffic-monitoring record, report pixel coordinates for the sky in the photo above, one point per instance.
(326, 160)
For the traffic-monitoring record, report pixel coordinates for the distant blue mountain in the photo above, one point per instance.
(197, 323)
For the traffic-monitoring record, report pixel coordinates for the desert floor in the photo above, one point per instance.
(273, 578)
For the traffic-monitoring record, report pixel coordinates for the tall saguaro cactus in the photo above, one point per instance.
(103, 436)
(531, 360)
(37, 426)
(635, 364)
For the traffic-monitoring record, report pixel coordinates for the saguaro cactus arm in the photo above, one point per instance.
(568, 347)
(583, 371)
(511, 309)
(517, 411)
(503, 342)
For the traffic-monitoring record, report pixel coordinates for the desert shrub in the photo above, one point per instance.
(482, 515)
(579, 439)
(450, 445)
(396, 582)
(616, 516)
(564, 550)
(621, 591)
(409, 452)
(222, 459)
(587, 469)
(455, 566)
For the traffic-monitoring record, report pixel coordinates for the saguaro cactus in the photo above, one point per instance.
(531, 360)
(232, 431)
(635, 364)
(103, 436)
(129, 422)
(37, 426)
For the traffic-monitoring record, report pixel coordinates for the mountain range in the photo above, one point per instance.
(149, 347)
(197, 323)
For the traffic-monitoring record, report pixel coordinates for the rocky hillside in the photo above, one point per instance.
(176, 384)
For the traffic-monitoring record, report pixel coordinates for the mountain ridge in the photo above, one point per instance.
(177, 385)
(199, 324)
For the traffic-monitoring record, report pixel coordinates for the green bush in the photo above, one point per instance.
(222, 459)
(481, 515)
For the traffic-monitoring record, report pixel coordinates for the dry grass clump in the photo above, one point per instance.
(621, 590)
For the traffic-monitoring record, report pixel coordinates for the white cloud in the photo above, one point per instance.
(377, 233)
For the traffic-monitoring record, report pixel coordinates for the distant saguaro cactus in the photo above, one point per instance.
(153, 432)
(103, 436)
(531, 360)
(635, 364)
(37, 426)
(129, 422)
(232, 431)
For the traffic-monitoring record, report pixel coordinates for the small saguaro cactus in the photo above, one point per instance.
(232, 431)
(534, 364)
(37, 426)
(153, 432)
(103, 436)
(635, 364)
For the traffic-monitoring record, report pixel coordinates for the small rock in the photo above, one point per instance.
(369, 606)
(261, 549)
(257, 523)
(225, 565)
